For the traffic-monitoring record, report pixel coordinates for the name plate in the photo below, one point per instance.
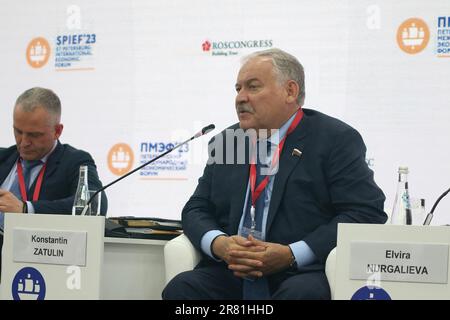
(399, 261)
(49, 246)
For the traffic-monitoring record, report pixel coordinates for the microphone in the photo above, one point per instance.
(430, 215)
(202, 132)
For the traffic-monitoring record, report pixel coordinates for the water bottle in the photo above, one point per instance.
(401, 212)
(82, 194)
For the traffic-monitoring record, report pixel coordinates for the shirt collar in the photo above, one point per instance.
(279, 134)
(45, 158)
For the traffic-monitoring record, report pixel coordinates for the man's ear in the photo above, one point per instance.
(58, 130)
(292, 90)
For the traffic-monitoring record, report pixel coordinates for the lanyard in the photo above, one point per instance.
(262, 185)
(23, 188)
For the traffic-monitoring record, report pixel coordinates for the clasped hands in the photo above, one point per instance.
(250, 257)
(9, 202)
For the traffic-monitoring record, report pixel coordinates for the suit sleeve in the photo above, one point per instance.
(355, 197)
(198, 214)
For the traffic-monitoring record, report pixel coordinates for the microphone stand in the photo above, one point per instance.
(430, 215)
(205, 130)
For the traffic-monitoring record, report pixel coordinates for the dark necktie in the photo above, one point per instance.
(257, 289)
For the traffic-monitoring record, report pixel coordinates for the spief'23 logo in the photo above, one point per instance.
(413, 35)
(120, 159)
(38, 52)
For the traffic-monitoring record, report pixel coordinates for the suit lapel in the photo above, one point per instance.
(52, 164)
(53, 160)
(237, 188)
(287, 164)
(238, 181)
(7, 163)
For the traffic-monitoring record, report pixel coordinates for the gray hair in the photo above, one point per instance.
(40, 97)
(286, 67)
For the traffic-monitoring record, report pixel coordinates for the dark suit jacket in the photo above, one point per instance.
(60, 179)
(330, 183)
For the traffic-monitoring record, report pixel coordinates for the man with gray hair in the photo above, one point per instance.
(265, 227)
(39, 174)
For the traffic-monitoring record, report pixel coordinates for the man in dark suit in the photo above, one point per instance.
(39, 174)
(266, 227)
(59, 181)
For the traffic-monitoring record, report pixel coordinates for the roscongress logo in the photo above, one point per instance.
(413, 35)
(229, 48)
(120, 159)
(38, 52)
